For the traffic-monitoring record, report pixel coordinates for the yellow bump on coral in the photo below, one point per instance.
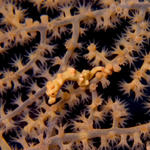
(92, 47)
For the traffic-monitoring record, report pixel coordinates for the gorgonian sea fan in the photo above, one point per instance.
(74, 75)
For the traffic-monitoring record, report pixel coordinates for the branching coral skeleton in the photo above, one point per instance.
(72, 106)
